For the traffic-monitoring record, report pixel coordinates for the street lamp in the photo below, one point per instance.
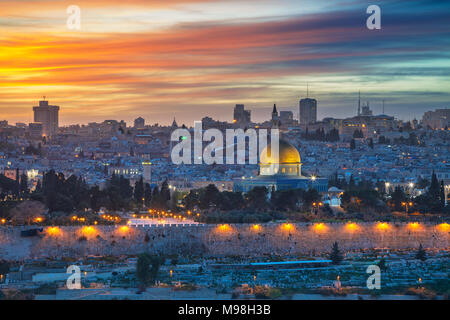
(316, 206)
(407, 205)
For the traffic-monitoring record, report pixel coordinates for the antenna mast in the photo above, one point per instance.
(359, 102)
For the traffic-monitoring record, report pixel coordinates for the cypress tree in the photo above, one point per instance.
(335, 255)
(139, 190)
(421, 254)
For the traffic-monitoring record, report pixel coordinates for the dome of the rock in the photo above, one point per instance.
(288, 154)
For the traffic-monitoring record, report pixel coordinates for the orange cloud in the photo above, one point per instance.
(213, 63)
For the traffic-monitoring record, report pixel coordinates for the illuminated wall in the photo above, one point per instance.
(227, 239)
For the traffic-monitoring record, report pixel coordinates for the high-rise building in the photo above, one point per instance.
(240, 115)
(35, 130)
(438, 119)
(48, 116)
(139, 123)
(308, 111)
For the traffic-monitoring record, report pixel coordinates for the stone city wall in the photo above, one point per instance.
(219, 240)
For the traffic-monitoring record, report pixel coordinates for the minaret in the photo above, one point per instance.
(274, 112)
(275, 118)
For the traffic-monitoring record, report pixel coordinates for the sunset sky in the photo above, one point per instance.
(191, 58)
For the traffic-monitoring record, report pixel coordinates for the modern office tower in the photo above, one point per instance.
(139, 123)
(147, 171)
(308, 111)
(48, 116)
(35, 130)
(438, 119)
(240, 115)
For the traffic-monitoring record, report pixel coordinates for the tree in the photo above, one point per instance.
(95, 198)
(147, 268)
(352, 144)
(421, 253)
(309, 197)
(442, 194)
(209, 197)
(434, 199)
(147, 194)
(397, 198)
(26, 212)
(4, 267)
(382, 264)
(358, 134)
(24, 184)
(434, 189)
(155, 201)
(284, 200)
(192, 199)
(335, 255)
(139, 191)
(256, 198)
(423, 183)
(164, 194)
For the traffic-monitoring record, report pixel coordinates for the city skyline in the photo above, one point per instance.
(193, 58)
(131, 121)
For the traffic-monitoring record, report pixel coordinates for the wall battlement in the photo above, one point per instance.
(220, 240)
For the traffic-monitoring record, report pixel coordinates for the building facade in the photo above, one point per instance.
(240, 115)
(438, 119)
(48, 116)
(308, 111)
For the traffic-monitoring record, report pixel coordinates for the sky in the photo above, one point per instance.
(161, 59)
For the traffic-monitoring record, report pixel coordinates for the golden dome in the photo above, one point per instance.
(288, 154)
